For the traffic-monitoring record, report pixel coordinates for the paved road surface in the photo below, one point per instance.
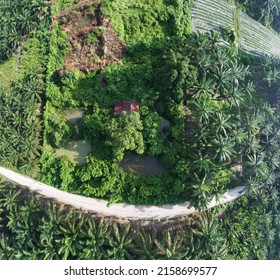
(119, 210)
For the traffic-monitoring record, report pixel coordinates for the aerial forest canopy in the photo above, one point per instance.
(207, 121)
(18, 19)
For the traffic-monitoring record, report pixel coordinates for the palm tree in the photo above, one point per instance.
(253, 185)
(5, 247)
(50, 233)
(222, 123)
(203, 62)
(224, 148)
(11, 199)
(201, 161)
(252, 145)
(203, 109)
(145, 247)
(252, 123)
(207, 237)
(256, 166)
(172, 247)
(223, 77)
(201, 191)
(96, 240)
(70, 242)
(120, 242)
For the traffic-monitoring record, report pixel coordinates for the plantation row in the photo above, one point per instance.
(217, 137)
(223, 131)
(256, 37)
(18, 19)
(265, 12)
(210, 15)
(35, 228)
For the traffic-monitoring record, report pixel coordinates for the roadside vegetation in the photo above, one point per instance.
(217, 134)
(208, 121)
(35, 228)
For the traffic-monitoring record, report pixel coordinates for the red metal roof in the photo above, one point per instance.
(126, 106)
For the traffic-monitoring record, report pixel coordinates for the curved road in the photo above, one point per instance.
(119, 210)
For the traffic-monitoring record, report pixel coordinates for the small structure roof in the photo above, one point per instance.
(126, 106)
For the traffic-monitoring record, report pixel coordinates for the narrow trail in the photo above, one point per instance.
(118, 210)
(19, 50)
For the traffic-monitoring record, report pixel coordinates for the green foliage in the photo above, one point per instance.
(20, 126)
(94, 37)
(151, 133)
(173, 75)
(32, 227)
(228, 34)
(124, 134)
(217, 122)
(150, 190)
(19, 19)
(58, 131)
(99, 178)
(33, 58)
(216, 135)
(20, 130)
(209, 242)
(248, 226)
(7, 71)
(58, 47)
(149, 19)
(61, 5)
(124, 82)
(67, 169)
(50, 169)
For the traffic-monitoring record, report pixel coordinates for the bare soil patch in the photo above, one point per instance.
(145, 166)
(74, 116)
(94, 43)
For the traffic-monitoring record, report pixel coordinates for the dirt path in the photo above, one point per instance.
(119, 210)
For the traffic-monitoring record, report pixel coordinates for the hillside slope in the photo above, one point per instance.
(250, 35)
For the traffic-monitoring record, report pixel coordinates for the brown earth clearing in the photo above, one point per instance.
(94, 44)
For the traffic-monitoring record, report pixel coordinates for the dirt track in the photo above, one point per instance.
(119, 210)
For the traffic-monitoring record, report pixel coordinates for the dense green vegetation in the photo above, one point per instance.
(24, 29)
(35, 228)
(221, 106)
(19, 18)
(133, 80)
(147, 20)
(19, 120)
(218, 123)
(21, 104)
(7, 71)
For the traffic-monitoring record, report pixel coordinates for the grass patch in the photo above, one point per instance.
(76, 151)
(236, 18)
(7, 71)
(33, 58)
(145, 20)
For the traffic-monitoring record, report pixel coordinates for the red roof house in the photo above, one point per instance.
(126, 106)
